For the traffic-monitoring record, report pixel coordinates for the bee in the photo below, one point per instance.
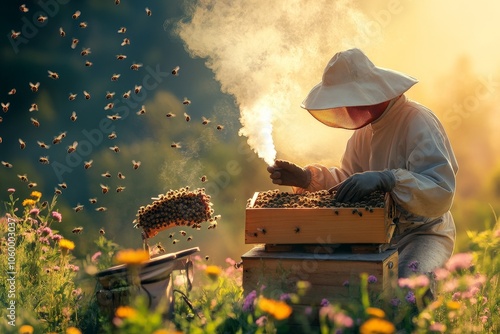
(57, 191)
(72, 147)
(183, 233)
(148, 11)
(32, 185)
(112, 135)
(5, 106)
(33, 107)
(42, 144)
(14, 34)
(296, 229)
(23, 8)
(87, 95)
(88, 63)
(160, 248)
(115, 77)
(104, 189)
(203, 178)
(189, 238)
(77, 230)
(12, 91)
(205, 120)
(126, 95)
(175, 70)
(101, 231)
(238, 265)
(53, 75)
(187, 117)
(136, 164)
(125, 41)
(35, 122)
(107, 174)
(109, 106)
(220, 127)
(72, 96)
(119, 189)
(1, 120)
(109, 95)
(212, 226)
(85, 52)
(207, 257)
(78, 207)
(175, 241)
(23, 178)
(93, 200)
(73, 116)
(135, 66)
(262, 230)
(34, 87)
(171, 235)
(121, 176)
(101, 209)
(122, 30)
(6, 164)
(22, 144)
(42, 18)
(176, 145)
(170, 115)
(117, 2)
(137, 89)
(83, 25)
(76, 15)
(114, 148)
(142, 110)
(74, 43)
(62, 32)
(44, 160)
(121, 57)
(88, 164)
(57, 139)
(186, 101)
(63, 185)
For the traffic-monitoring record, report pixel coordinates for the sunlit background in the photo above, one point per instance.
(243, 65)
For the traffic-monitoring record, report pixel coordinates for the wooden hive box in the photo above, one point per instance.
(343, 225)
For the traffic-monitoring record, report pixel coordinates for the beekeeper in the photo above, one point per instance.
(398, 146)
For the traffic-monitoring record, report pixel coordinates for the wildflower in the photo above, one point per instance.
(375, 312)
(249, 301)
(410, 297)
(45, 231)
(57, 237)
(96, 256)
(66, 244)
(377, 326)
(372, 279)
(339, 318)
(459, 261)
(125, 312)
(36, 195)
(26, 329)
(438, 327)
(76, 292)
(213, 272)
(132, 256)
(441, 274)
(34, 211)
(73, 268)
(484, 318)
(261, 321)
(29, 202)
(414, 282)
(453, 305)
(44, 240)
(73, 330)
(278, 309)
(57, 216)
(395, 302)
(56, 268)
(45, 249)
(12, 190)
(413, 265)
(324, 302)
(230, 261)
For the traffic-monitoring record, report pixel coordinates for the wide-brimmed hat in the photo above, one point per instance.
(351, 79)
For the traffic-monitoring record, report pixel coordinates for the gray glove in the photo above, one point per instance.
(359, 185)
(286, 173)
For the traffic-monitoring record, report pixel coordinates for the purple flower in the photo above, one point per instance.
(46, 231)
(410, 297)
(57, 216)
(285, 297)
(372, 279)
(248, 303)
(395, 302)
(56, 237)
(34, 211)
(413, 265)
(44, 240)
(324, 302)
(96, 256)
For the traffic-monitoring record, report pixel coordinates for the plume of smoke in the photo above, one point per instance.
(268, 54)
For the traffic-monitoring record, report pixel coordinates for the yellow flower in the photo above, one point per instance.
(73, 330)
(375, 312)
(277, 308)
(213, 272)
(36, 195)
(26, 329)
(453, 305)
(132, 256)
(377, 326)
(125, 312)
(29, 202)
(166, 331)
(66, 244)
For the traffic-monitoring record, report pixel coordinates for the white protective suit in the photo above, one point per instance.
(408, 140)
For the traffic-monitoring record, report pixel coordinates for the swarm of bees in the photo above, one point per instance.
(175, 208)
(317, 199)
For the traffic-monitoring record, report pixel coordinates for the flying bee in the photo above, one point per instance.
(62, 32)
(57, 191)
(34, 87)
(87, 95)
(12, 91)
(101, 209)
(88, 63)
(32, 185)
(85, 52)
(33, 107)
(42, 18)
(83, 25)
(22, 144)
(6, 164)
(142, 110)
(14, 34)
(205, 120)
(148, 11)
(112, 135)
(126, 95)
(5, 106)
(136, 164)
(183, 233)
(1, 120)
(35, 122)
(176, 145)
(137, 89)
(23, 178)
(72, 96)
(76, 15)
(119, 189)
(63, 185)
(115, 77)
(53, 75)
(109, 95)
(170, 115)
(203, 178)
(220, 127)
(44, 160)
(42, 144)
(109, 106)
(117, 2)
(114, 148)
(171, 235)
(212, 226)
(23, 8)
(107, 174)
(175, 241)
(121, 57)
(57, 139)
(187, 117)
(77, 230)
(78, 207)
(125, 41)
(189, 238)
(186, 101)
(74, 43)
(121, 176)
(93, 200)
(73, 116)
(104, 189)
(88, 164)
(122, 30)
(135, 66)
(72, 147)
(175, 70)
(101, 231)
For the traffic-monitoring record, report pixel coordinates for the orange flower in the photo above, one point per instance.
(36, 195)
(73, 330)
(213, 272)
(375, 312)
(26, 329)
(377, 326)
(277, 308)
(125, 312)
(132, 256)
(453, 305)
(66, 244)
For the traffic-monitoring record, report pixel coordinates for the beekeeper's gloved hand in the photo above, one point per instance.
(359, 185)
(286, 173)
